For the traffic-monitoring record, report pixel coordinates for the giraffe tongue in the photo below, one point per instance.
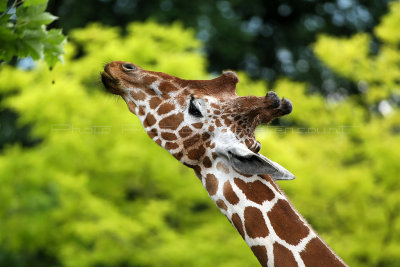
(282, 173)
(247, 162)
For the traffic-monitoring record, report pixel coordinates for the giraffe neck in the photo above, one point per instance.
(264, 217)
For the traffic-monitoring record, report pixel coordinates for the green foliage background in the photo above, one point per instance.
(96, 191)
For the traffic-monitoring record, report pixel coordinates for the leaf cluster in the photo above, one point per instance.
(23, 32)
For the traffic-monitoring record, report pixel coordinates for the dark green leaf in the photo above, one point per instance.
(44, 18)
(6, 29)
(55, 36)
(7, 50)
(35, 34)
(7, 34)
(33, 16)
(30, 47)
(32, 43)
(54, 47)
(30, 11)
(34, 2)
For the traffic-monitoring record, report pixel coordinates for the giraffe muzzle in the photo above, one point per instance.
(109, 83)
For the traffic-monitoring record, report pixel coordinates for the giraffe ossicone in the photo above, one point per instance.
(206, 126)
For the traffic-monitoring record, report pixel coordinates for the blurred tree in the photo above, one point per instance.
(376, 72)
(361, 187)
(267, 39)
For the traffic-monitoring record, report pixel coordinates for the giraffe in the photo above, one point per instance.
(207, 127)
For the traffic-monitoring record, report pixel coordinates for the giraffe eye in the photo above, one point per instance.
(193, 109)
(128, 67)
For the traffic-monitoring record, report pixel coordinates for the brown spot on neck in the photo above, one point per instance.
(149, 120)
(237, 222)
(167, 87)
(229, 194)
(171, 145)
(172, 121)
(181, 101)
(154, 102)
(138, 95)
(214, 105)
(268, 178)
(197, 153)
(132, 107)
(254, 223)
(286, 223)
(221, 204)
(261, 253)
(197, 171)
(211, 184)
(227, 122)
(152, 133)
(317, 253)
(142, 110)
(185, 131)
(191, 141)
(205, 136)
(158, 142)
(168, 136)
(197, 125)
(207, 162)
(165, 108)
(255, 191)
(178, 155)
(283, 257)
(196, 168)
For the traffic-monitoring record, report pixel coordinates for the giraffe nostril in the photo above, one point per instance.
(129, 67)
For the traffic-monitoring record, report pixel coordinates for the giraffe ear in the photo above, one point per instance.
(248, 162)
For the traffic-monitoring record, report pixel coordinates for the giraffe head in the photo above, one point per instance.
(198, 121)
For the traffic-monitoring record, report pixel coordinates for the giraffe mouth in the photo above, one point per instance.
(110, 83)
